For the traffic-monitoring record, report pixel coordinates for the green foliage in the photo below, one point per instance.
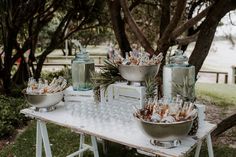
(10, 117)
(108, 75)
(95, 36)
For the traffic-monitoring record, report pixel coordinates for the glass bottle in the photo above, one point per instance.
(81, 67)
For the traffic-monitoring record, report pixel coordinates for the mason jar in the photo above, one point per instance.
(81, 67)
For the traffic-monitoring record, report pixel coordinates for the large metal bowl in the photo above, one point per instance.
(165, 132)
(43, 100)
(137, 73)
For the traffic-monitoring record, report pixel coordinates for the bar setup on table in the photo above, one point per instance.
(127, 112)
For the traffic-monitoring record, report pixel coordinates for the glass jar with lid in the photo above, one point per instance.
(81, 67)
(179, 77)
(179, 59)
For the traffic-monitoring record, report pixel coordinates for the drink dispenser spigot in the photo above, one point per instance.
(81, 67)
(179, 77)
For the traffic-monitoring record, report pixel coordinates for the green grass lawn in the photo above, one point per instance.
(64, 142)
(220, 94)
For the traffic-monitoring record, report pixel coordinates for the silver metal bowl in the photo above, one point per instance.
(137, 73)
(43, 100)
(165, 132)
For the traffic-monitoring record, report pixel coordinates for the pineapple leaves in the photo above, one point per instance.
(109, 74)
(151, 87)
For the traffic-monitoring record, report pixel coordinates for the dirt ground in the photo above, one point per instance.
(216, 114)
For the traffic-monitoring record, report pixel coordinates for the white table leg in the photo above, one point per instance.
(38, 141)
(81, 143)
(94, 145)
(209, 146)
(44, 134)
(197, 152)
(84, 147)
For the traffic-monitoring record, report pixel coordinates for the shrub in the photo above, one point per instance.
(10, 117)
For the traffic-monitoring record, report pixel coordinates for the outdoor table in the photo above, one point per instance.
(113, 122)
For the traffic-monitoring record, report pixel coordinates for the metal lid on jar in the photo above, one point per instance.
(179, 59)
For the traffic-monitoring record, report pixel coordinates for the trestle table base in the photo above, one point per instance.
(85, 147)
(209, 147)
(42, 138)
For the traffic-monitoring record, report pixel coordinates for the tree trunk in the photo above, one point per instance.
(207, 32)
(165, 15)
(191, 30)
(8, 47)
(41, 60)
(34, 36)
(224, 125)
(163, 43)
(203, 44)
(118, 26)
(22, 74)
(135, 29)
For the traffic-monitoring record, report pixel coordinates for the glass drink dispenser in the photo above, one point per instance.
(81, 67)
(179, 77)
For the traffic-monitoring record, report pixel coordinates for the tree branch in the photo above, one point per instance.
(133, 26)
(82, 23)
(118, 25)
(224, 125)
(134, 4)
(207, 31)
(26, 11)
(165, 15)
(75, 29)
(178, 31)
(54, 5)
(89, 27)
(59, 31)
(155, 3)
(186, 40)
(162, 44)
